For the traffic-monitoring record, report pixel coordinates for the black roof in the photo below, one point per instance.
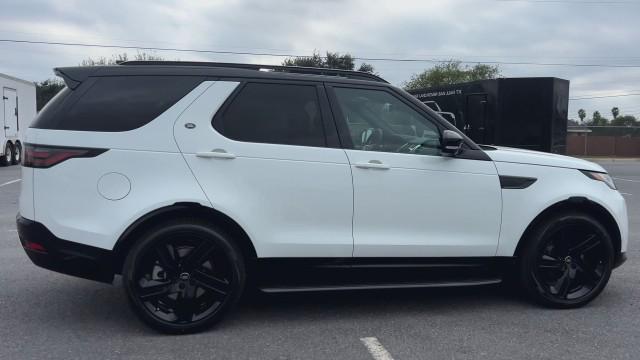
(73, 76)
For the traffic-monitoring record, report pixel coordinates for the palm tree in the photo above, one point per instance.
(582, 114)
(615, 112)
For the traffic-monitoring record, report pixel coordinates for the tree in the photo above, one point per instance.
(615, 112)
(451, 72)
(598, 119)
(582, 114)
(120, 58)
(627, 120)
(46, 90)
(330, 61)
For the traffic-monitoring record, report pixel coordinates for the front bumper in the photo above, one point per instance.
(52, 253)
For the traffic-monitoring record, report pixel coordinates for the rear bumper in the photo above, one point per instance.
(66, 257)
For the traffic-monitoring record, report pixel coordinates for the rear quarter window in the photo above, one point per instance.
(118, 103)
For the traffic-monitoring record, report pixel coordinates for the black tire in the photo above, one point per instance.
(175, 292)
(7, 157)
(17, 154)
(567, 260)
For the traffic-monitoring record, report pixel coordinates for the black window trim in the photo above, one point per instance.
(330, 133)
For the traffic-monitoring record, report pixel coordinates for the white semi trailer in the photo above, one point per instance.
(18, 109)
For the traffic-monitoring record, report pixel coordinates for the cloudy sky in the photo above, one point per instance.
(605, 32)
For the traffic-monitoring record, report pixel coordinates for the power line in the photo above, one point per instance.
(371, 59)
(614, 2)
(603, 96)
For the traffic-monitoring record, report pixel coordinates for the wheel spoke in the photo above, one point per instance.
(561, 286)
(590, 274)
(589, 243)
(549, 263)
(211, 283)
(167, 261)
(184, 309)
(149, 293)
(197, 255)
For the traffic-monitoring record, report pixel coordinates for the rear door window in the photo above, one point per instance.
(287, 114)
(118, 103)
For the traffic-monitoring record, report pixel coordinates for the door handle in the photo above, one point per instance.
(216, 153)
(373, 164)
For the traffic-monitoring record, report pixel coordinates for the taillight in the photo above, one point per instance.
(44, 156)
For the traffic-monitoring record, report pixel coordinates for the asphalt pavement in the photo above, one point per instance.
(45, 315)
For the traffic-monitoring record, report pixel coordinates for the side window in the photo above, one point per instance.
(115, 103)
(378, 121)
(275, 114)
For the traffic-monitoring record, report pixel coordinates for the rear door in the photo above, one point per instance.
(10, 100)
(409, 199)
(270, 161)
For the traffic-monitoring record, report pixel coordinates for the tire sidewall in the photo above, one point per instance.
(7, 157)
(221, 241)
(17, 154)
(537, 240)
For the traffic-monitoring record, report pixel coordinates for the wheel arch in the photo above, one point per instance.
(183, 209)
(578, 203)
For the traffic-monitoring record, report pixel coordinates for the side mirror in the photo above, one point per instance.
(448, 116)
(451, 142)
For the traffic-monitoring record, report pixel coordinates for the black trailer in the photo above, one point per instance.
(529, 113)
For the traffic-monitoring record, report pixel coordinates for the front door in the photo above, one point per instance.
(10, 100)
(409, 199)
(266, 163)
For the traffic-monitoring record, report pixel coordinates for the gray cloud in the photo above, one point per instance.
(476, 30)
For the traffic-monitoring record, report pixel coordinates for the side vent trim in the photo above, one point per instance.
(516, 182)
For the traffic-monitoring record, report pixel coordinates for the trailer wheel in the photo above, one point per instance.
(7, 157)
(17, 154)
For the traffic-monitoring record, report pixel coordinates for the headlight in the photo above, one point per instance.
(604, 177)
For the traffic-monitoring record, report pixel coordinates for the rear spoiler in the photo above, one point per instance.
(74, 76)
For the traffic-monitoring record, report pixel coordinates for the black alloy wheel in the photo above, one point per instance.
(568, 261)
(183, 277)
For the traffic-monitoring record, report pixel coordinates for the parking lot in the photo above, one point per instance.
(44, 315)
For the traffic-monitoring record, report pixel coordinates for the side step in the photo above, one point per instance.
(316, 274)
(350, 287)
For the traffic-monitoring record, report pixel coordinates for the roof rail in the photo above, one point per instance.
(358, 75)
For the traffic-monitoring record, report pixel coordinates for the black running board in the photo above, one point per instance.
(353, 287)
(321, 274)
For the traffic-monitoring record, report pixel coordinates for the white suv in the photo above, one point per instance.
(194, 180)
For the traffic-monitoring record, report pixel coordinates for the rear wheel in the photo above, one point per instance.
(6, 159)
(183, 277)
(17, 154)
(567, 261)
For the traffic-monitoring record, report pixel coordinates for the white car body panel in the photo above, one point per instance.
(296, 201)
(292, 201)
(553, 185)
(66, 196)
(424, 206)
(522, 156)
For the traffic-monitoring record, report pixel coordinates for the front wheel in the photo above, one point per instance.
(567, 260)
(184, 276)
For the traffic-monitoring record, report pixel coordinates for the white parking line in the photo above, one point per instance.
(376, 349)
(621, 179)
(625, 193)
(10, 182)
